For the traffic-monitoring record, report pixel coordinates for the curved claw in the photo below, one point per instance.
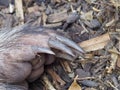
(58, 45)
(65, 56)
(69, 43)
(42, 50)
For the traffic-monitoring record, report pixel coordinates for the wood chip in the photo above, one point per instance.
(56, 77)
(95, 43)
(114, 58)
(19, 10)
(75, 85)
(66, 66)
(87, 15)
(118, 62)
(57, 17)
(48, 84)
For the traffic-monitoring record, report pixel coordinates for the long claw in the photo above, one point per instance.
(58, 45)
(65, 56)
(42, 50)
(69, 43)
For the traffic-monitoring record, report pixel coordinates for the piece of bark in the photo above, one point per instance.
(56, 77)
(96, 43)
(57, 17)
(66, 66)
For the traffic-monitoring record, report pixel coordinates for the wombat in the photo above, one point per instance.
(25, 50)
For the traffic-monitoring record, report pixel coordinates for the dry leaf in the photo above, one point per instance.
(95, 43)
(75, 86)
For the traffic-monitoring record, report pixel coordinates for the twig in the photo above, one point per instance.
(112, 85)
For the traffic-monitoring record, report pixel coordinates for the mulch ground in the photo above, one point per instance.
(93, 24)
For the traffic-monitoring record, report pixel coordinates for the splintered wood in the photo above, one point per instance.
(95, 43)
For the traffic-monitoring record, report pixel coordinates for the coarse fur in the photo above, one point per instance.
(9, 36)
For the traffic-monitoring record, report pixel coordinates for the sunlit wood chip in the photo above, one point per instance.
(75, 85)
(95, 43)
(19, 10)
